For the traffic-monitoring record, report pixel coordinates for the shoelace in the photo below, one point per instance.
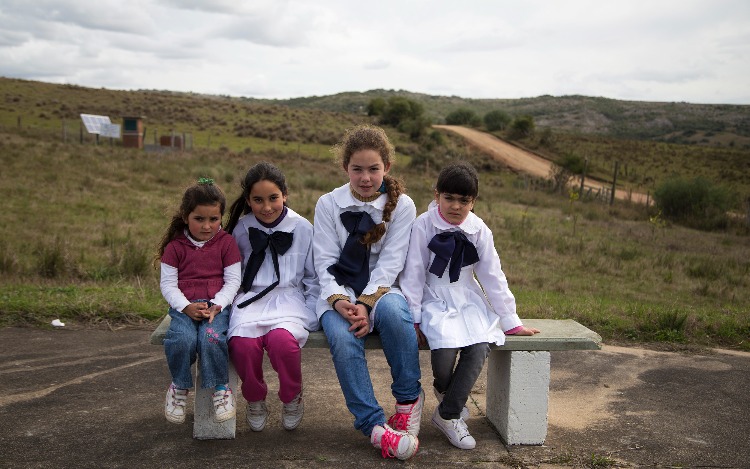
(293, 407)
(387, 441)
(221, 398)
(256, 411)
(179, 399)
(399, 421)
(461, 429)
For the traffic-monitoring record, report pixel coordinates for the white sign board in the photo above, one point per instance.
(94, 123)
(110, 130)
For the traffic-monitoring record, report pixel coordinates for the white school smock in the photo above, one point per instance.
(470, 310)
(387, 256)
(291, 304)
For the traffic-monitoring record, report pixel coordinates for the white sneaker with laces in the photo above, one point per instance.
(408, 417)
(456, 431)
(464, 412)
(224, 407)
(174, 407)
(291, 413)
(257, 415)
(393, 443)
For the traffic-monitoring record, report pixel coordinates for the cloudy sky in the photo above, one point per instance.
(646, 50)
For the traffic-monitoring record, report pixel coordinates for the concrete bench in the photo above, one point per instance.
(518, 377)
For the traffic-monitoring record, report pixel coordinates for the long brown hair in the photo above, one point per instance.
(205, 192)
(370, 137)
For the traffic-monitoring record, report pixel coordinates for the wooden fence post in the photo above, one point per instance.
(614, 183)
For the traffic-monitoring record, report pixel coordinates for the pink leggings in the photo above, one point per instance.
(285, 356)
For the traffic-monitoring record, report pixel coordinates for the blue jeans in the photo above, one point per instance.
(187, 340)
(394, 323)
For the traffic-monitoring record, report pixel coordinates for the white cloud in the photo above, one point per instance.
(690, 50)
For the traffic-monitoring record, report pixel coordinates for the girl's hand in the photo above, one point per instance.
(527, 331)
(360, 321)
(421, 339)
(196, 311)
(213, 311)
(347, 310)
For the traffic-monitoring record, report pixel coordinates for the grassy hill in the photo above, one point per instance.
(704, 124)
(83, 220)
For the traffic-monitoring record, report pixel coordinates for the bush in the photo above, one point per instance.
(697, 202)
(399, 109)
(376, 107)
(522, 127)
(496, 120)
(463, 117)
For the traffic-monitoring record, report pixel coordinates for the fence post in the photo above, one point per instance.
(583, 174)
(614, 183)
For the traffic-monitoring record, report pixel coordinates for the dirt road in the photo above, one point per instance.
(527, 162)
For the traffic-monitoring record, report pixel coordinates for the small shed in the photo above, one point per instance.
(132, 132)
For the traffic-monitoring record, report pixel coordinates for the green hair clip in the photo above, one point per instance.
(205, 181)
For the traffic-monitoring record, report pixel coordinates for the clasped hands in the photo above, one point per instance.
(357, 316)
(201, 310)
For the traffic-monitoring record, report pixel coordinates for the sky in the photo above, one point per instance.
(695, 51)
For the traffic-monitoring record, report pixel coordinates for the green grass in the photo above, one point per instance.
(82, 222)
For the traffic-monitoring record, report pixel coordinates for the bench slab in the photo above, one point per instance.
(556, 335)
(518, 377)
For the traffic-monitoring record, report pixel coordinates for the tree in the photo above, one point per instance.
(496, 120)
(522, 127)
(463, 116)
(376, 107)
(399, 109)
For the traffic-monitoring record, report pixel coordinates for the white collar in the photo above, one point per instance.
(287, 224)
(344, 199)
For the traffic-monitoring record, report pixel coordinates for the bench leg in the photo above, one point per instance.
(204, 425)
(517, 395)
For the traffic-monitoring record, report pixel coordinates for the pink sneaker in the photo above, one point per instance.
(408, 417)
(393, 443)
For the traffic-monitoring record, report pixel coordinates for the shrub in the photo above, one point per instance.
(463, 117)
(522, 127)
(399, 109)
(697, 202)
(496, 120)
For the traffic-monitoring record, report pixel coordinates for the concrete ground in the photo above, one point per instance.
(75, 397)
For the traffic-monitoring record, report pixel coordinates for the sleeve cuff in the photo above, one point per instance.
(334, 298)
(370, 300)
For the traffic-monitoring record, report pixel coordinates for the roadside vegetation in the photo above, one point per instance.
(83, 220)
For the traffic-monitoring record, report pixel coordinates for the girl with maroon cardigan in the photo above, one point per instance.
(200, 274)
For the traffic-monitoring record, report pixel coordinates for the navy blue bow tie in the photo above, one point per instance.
(279, 242)
(455, 247)
(352, 268)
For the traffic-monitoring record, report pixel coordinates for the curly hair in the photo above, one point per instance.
(370, 137)
(203, 193)
(262, 171)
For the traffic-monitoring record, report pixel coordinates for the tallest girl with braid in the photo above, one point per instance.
(361, 235)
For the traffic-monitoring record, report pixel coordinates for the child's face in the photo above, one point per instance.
(454, 207)
(266, 201)
(204, 221)
(366, 171)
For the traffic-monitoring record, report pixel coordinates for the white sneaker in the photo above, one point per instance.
(408, 417)
(291, 413)
(257, 415)
(224, 408)
(393, 443)
(456, 431)
(174, 408)
(464, 412)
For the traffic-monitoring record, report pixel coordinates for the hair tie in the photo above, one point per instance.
(205, 181)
